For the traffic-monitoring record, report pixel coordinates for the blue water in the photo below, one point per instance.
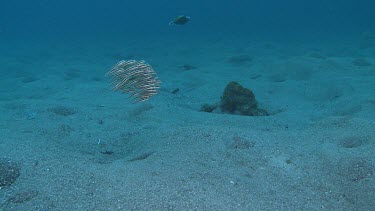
(273, 19)
(79, 146)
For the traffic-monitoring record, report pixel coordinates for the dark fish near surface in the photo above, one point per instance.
(180, 20)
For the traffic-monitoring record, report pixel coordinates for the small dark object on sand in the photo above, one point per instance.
(188, 67)
(208, 107)
(180, 20)
(62, 111)
(142, 156)
(240, 59)
(107, 152)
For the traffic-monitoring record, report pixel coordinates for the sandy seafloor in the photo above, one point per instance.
(81, 146)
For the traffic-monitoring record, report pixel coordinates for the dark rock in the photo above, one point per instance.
(239, 100)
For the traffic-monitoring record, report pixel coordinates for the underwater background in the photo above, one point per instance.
(263, 105)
